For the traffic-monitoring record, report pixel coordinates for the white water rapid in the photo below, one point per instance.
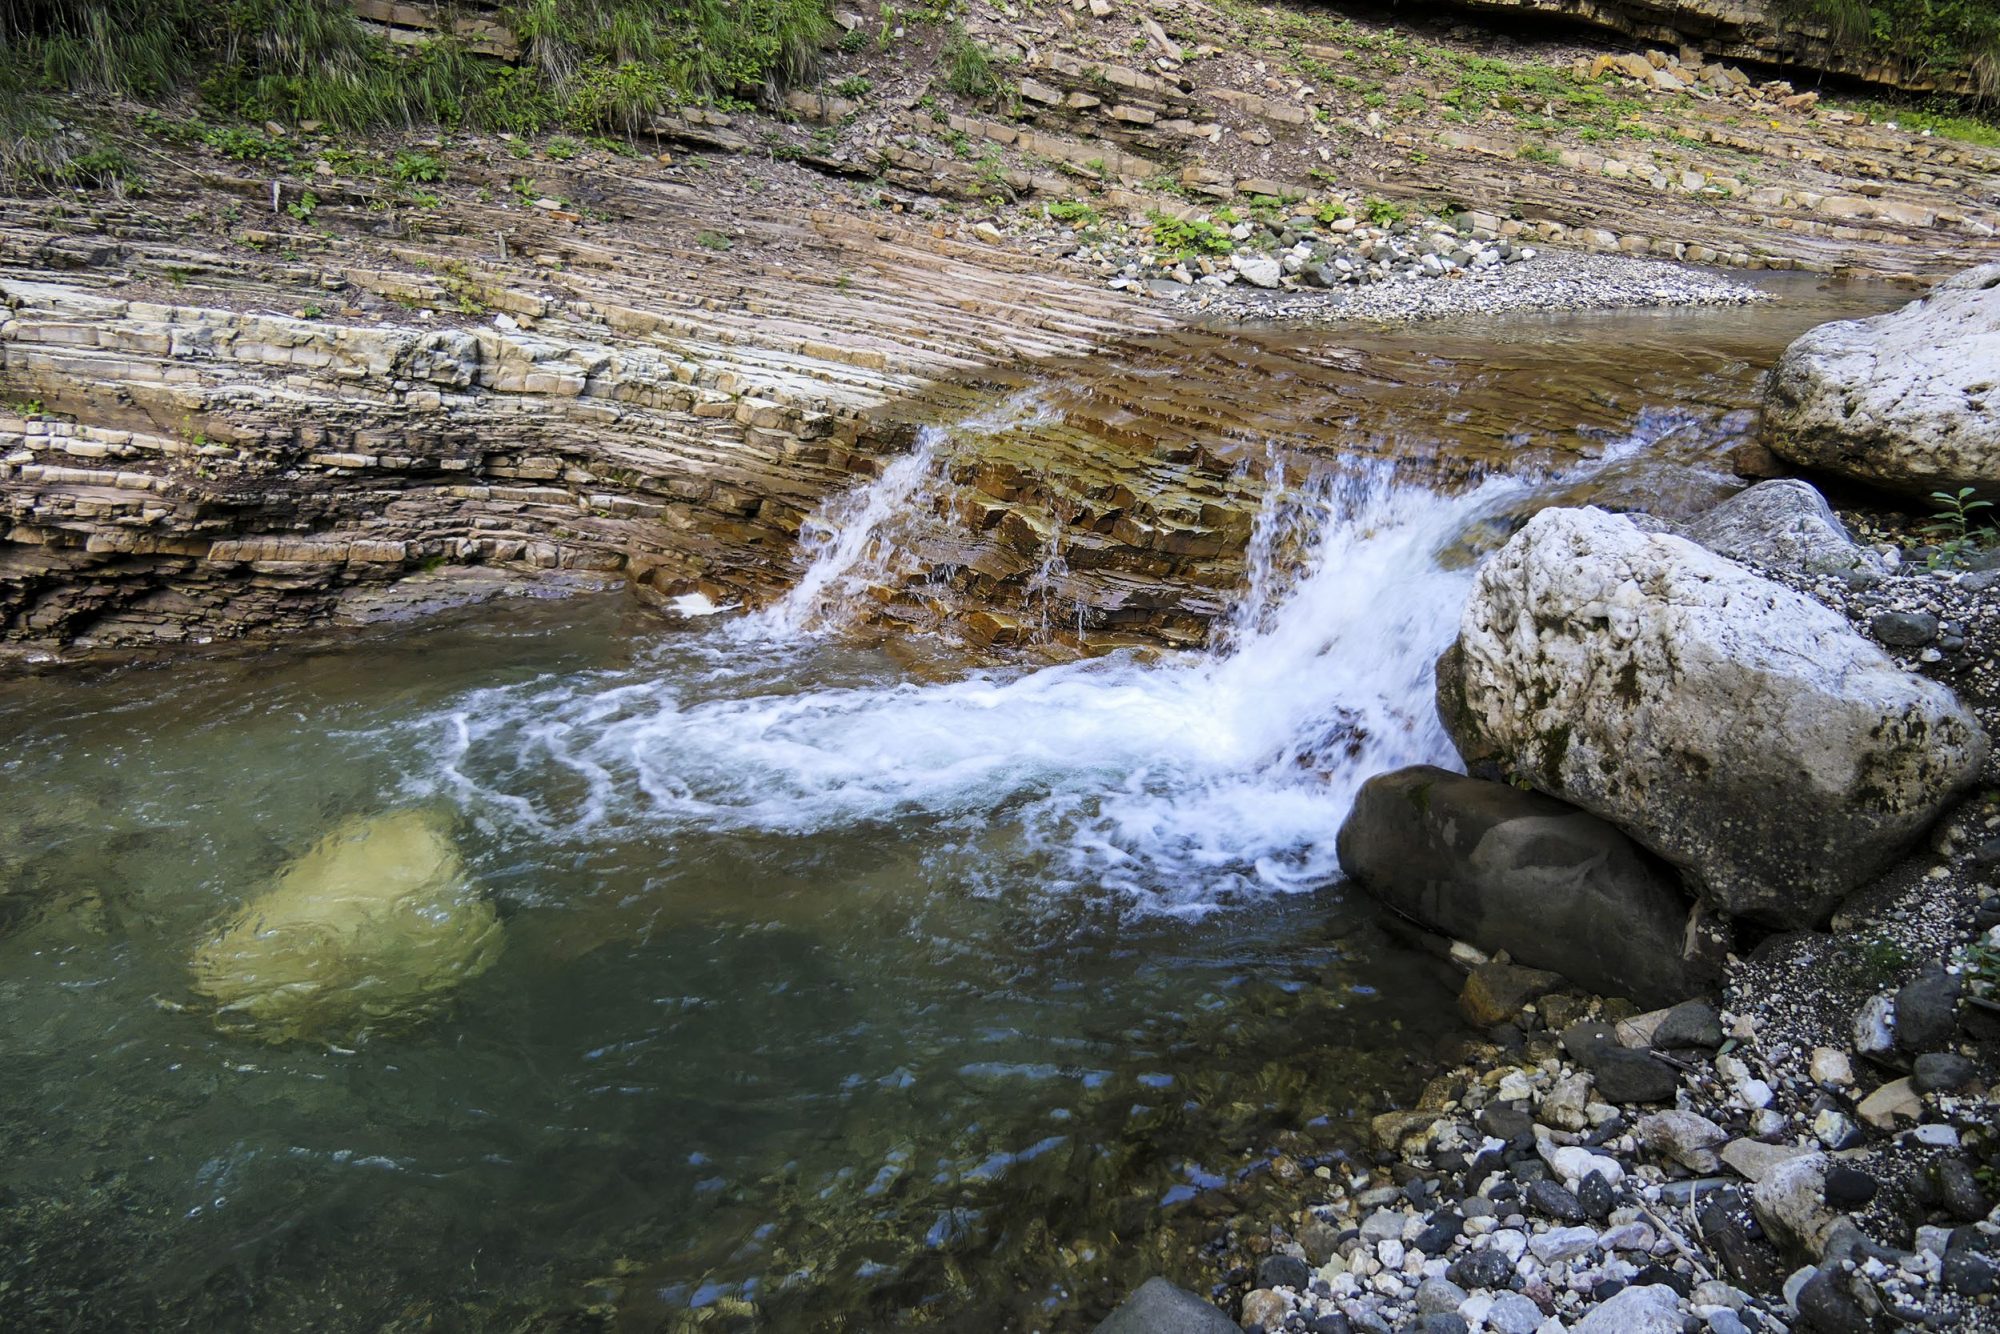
(1177, 784)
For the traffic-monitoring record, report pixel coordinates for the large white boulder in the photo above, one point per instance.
(1908, 400)
(1738, 729)
(371, 929)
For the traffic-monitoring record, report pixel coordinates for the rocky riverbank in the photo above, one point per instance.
(253, 377)
(1807, 1141)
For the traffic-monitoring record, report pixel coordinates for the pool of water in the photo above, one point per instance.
(831, 997)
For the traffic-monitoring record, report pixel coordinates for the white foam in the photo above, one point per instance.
(1178, 784)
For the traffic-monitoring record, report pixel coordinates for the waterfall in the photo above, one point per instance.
(1175, 784)
(847, 540)
(850, 540)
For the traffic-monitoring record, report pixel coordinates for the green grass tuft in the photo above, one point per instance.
(587, 65)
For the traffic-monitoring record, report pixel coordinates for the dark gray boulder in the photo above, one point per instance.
(1927, 1011)
(1158, 1307)
(1507, 869)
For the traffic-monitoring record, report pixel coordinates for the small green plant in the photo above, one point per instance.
(855, 87)
(968, 67)
(413, 168)
(854, 39)
(304, 206)
(1879, 959)
(1538, 153)
(1382, 213)
(1329, 212)
(562, 148)
(1075, 212)
(1184, 238)
(246, 145)
(1951, 528)
(712, 240)
(1980, 965)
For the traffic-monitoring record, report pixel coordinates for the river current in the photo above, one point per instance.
(834, 996)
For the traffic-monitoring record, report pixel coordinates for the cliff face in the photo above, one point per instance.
(1747, 30)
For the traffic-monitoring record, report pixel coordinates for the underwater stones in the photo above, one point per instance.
(1505, 869)
(1739, 729)
(1905, 400)
(1158, 1307)
(373, 928)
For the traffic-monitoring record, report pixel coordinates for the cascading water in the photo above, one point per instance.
(850, 540)
(1174, 785)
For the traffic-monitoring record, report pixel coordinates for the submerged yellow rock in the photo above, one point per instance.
(370, 930)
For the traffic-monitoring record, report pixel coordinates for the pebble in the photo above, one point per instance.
(1831, 1068)
(1482, 1269)
(1556, 1201)
(1512, 1313)
(1439, 1294)
(1562, 1243)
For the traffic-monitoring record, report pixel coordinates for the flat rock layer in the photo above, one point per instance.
(217, 459)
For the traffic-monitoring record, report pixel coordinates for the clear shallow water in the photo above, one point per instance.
(814, 1010)
(832, 998)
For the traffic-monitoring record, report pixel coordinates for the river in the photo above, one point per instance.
(835, 994)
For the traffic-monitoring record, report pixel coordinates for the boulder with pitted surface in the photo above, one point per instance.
(1909, 400)
(1736, 728)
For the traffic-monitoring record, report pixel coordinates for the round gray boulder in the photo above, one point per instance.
(1506, 869)
(1158, 1307)
(1782, 525)
(1740, 730)
(1909, 401)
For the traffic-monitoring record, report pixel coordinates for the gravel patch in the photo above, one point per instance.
(1552, 281)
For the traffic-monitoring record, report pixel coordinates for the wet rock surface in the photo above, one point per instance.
(372, 930)
(1519, 871)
